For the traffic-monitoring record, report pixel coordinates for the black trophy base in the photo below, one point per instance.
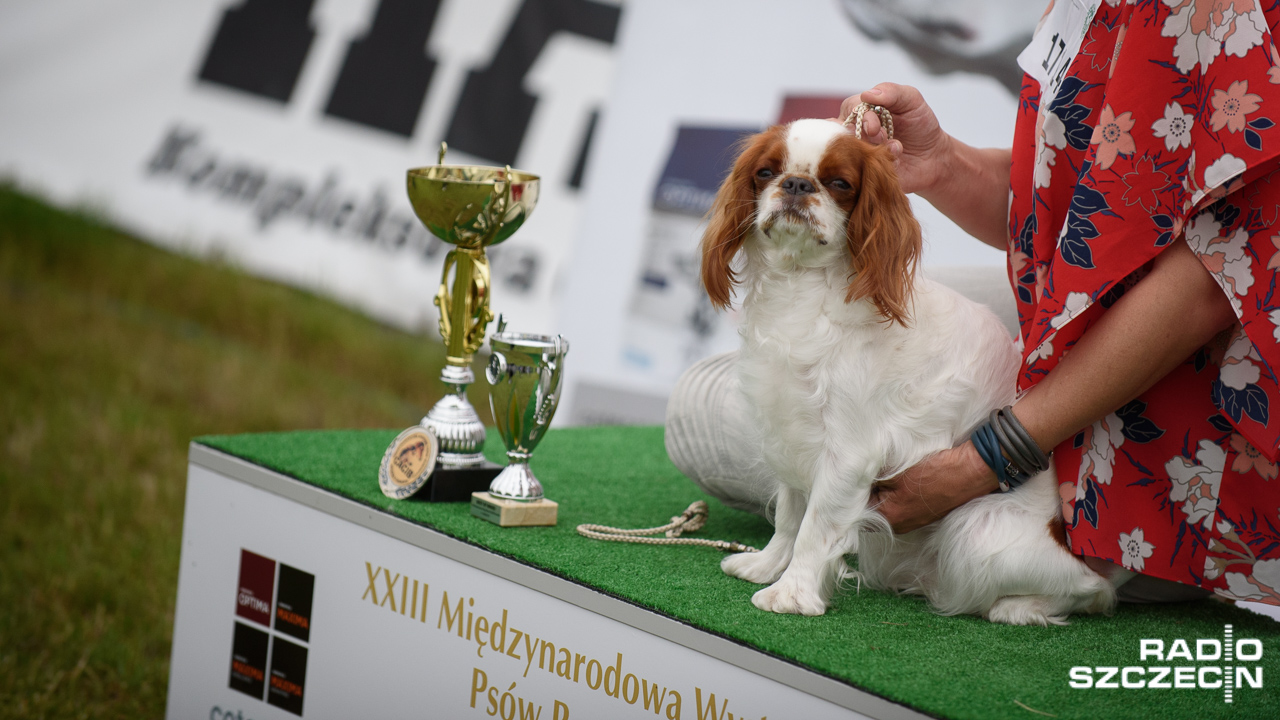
(455, 484)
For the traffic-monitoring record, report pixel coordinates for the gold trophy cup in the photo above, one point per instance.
(470, 207)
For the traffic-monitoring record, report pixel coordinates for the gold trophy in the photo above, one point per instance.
(470, 207)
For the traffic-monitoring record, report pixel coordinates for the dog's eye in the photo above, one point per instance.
(764, 173)
(839, 184)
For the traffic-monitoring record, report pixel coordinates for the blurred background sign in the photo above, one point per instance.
(275, 134)
(671, 323)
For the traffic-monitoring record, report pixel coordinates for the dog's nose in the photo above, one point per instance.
(797, 186)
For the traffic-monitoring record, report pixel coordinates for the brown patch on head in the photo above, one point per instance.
(734, 210)
(843, 161)
(884, 237)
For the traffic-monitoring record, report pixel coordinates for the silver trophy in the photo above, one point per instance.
(525, 372)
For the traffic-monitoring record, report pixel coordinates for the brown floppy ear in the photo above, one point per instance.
(884, 239)
(731, 216)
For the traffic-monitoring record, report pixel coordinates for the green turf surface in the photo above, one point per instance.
(957, 667)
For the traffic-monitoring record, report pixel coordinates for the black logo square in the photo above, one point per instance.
(288, 675)
(293, 602)
(248, 660)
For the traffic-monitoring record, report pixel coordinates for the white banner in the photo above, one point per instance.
(276, 133)
(286, 611)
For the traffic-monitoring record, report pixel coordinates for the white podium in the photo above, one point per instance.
(296, 602)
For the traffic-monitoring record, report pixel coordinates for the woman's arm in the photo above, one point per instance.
(1152, 328)
(969, 185)
(1156, 325)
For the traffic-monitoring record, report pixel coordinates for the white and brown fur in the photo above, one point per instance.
(857, 369)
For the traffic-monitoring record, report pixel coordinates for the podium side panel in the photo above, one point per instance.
(395, 630)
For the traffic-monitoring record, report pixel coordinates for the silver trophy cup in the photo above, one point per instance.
(524, 375)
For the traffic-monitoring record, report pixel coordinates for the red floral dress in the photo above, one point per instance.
(1162, 128)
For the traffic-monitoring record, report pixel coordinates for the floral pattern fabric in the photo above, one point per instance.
(1164, 127)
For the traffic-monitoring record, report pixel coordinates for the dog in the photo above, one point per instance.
(856, 369)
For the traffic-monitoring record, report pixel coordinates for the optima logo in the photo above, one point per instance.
(257, 581)
(253, 649)
(1233, 666)
(253, 604)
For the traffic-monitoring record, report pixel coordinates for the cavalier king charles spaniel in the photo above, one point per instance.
(855, 370)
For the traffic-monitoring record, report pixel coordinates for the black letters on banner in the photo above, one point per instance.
(493, 112)
(580, 165)
(384, 80)
(260, 47)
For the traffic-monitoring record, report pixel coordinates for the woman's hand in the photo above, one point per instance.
(1177, 308)
(918, 143)
(969, 185)
(932, 488)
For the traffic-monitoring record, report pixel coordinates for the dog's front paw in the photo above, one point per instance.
(789, 596)
(758, 567)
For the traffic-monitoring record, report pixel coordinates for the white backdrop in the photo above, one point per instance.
(286, 152)
(102, 103)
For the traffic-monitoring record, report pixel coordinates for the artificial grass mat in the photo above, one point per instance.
(953, 667)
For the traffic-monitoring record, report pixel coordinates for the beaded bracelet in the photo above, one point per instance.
(1008, 449)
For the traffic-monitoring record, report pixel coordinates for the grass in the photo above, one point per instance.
(113, 355)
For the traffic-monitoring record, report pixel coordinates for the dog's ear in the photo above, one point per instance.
(884, 239)
(731, 217)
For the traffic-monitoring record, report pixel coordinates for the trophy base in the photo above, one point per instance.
(458, 428)
(457, 484)
(513, 513)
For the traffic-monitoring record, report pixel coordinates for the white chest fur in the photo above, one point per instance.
(836, 389)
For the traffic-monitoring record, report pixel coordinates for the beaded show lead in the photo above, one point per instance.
(1008, 449)
(691, 520)
(855, 119)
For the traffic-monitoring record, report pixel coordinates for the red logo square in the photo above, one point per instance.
(257, 583)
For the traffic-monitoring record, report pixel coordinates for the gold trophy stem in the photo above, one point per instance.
(464, 308)
(460, 309)
(464, 317)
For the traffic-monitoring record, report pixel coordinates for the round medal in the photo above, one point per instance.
(408, 462)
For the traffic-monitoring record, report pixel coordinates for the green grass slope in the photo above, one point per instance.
(113, 355)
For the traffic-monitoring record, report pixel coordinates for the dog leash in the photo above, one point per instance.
(691, 520)
(855, 119)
